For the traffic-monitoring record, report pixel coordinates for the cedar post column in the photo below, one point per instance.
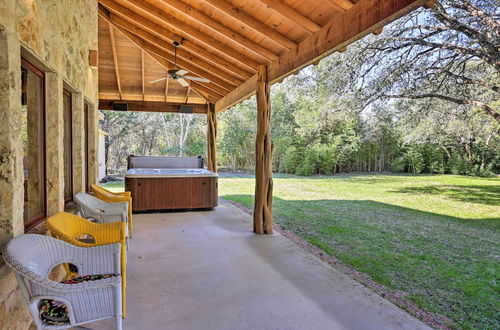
(211, 138)
(262, 214)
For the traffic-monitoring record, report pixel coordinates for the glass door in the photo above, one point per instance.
(33, 133)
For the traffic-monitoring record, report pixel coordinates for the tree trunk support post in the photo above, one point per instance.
(262, 214)
(211, 138)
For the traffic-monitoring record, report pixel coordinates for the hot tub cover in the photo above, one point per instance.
(168, 173)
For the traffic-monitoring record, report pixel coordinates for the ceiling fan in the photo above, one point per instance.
(179, 75)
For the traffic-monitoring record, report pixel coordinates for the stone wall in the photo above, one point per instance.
(55, 36)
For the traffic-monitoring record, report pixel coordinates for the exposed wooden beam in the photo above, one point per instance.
(166, 89)
(142, 75)
(166, 60)
(200, 18)
(207, 90)
(182, 56)
(188, 90)
(115, 58)
(149, 106)
(262, 212)
(342, 4)
(250, 22)
(292, 15)
(343, 29)
(161, 32)
(188, 31)
(200, 90)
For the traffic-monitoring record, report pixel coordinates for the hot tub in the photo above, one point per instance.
(171, 188)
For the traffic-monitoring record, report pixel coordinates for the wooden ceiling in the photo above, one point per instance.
(224, 41)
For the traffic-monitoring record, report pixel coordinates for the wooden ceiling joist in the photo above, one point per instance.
(163, 48)
(166, 89)
(148, 106)
(291, 14)
(187, 31)
(167, 60)
(115, 59)
(343, 29)
(142, 75)
(247, 20)
(136, 23)
(342, 4)
(199, 17)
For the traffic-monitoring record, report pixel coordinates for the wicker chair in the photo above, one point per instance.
(96, 210)
(112, 197)
(32, 258)
(69, 228)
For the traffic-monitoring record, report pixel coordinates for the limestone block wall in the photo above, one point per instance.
(56, 36)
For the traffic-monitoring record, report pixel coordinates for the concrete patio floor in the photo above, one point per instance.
(207, 270)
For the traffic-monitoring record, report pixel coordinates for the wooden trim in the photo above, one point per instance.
(291, 14)
(257, 26)
(211, 138)
(35, 221)
(115, 58)
(262, 214)
(220, 29)
(140, 22)
(151, 106)
(166, 89)
(343, 29)
(93, 58)
(187, 31)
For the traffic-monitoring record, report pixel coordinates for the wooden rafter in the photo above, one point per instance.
(139, 22)
(187, 31)
(344, 28)
(166, 50)
(188, 90)
(342, 4)
(115, 59)
(199, 17)
(292, 15)
(250, 22)
(166, 60)
(199, 90)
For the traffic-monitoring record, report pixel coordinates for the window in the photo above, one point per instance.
(68, 147)
(33, 133)
(86, 146)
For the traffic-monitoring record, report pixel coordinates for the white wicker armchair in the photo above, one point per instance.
(32, 257)
(93, 208)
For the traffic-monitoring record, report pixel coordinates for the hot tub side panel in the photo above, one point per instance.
(172, 193)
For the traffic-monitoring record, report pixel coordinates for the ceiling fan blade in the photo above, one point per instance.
(156, 80)
(183, 82)
(181, 72)
(197, 79)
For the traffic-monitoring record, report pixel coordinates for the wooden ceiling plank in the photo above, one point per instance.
(205, 89)
(166, 60)
(252, 23)
(182, 56)
(140, 22)
(115, 58)
(342, 4)
(220, 29)
(208, 98)
(152, 106)
(343, 29)
(188, 30)
(292, 15)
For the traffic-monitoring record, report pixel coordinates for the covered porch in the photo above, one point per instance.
(222, 276)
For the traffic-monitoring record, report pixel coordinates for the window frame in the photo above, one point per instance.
(70, 122)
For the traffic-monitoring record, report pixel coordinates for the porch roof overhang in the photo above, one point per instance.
(224, 41)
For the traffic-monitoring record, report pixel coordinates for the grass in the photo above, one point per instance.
(436, 238)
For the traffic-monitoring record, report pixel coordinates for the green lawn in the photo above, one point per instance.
(434, 237)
